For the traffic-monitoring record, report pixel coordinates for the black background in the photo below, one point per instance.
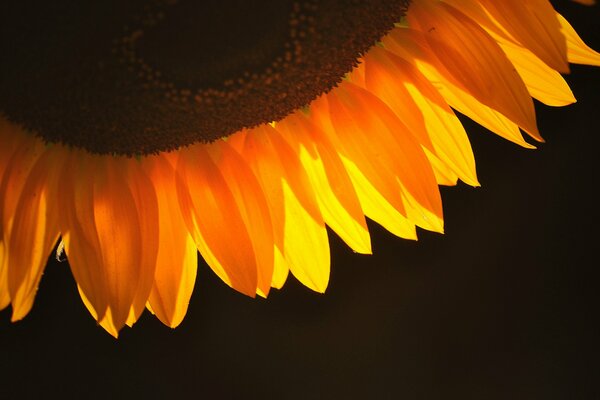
(503, 306)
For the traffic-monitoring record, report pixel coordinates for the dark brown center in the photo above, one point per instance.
(139, 77)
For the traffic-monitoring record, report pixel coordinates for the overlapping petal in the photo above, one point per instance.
(256, 204)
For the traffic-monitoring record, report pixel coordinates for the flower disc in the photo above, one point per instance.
(140, 77)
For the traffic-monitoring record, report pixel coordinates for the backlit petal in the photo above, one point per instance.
(212, 216)
(474, 60)
(176, 261)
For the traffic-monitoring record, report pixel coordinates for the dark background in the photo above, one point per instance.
(504, 305)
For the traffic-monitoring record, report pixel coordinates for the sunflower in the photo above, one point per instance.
(134, 136)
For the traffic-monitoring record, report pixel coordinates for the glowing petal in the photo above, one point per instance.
(373, 203)
(475, 61)
(211, 214)
(297, 221)
(176, 261)
(144, 196)
(543, 82)
(34, 233)
(577, 51)
(392, 158)
(4, 296)
(411, 46)
(530, 24)
(335, 194)
(120, 238)
(417, 103)
(79, 233)
(251, 202)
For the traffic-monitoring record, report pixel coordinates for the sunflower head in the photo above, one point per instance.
(137, 134)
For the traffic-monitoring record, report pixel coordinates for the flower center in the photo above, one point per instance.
(138, 77)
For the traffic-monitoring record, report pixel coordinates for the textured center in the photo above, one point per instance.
(138, 77)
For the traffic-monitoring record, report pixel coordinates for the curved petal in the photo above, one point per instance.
(410, 45)
(211, 214)
(577, 51)
(176, 260)
(392, 158)
(34, 232)
(333, 188)
(418, 103)
(297, 221)
(469, 56)
(251, 203)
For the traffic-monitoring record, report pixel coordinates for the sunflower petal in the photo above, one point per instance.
(335, 194)
(253, 207)
(533, 24)
(176, 261)
(577, 51)
(527, 24)
(4, 295)
(543, 82)
(392, 156)
(427, 114)
(34, 233)
(79, 233)
(410, 45)
(297, 221)
(471, 58)
(144, 196)
(120, 238)
(373, 202)
(211, 214)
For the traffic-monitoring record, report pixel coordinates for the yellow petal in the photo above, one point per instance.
(372, 201)
(391, 158)
(212, 216)
(410, 45)
(543, 82)
(34, 233)
(4, 295)
(471, 58)
(427, 114)
(79, 234)
(176, 261)
(531, 24)
(577, 51)
(444, 175)
(297, 221)
(146, 204)
(120, 238)
(335, 194)
(253, 207)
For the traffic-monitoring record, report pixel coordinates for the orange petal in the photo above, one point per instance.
(297, 221)
(120, 237)
(369, 134)
(335, 194)
(533, 24)
(543, 82)
(145, 198)
(251, 203)
(4, 295)
(79, 233)
(34, 232)
(577, 51)
(176, 261)
(373, 202)
(418, 103)
(410, 45)
(214, 220)
(471, 58)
